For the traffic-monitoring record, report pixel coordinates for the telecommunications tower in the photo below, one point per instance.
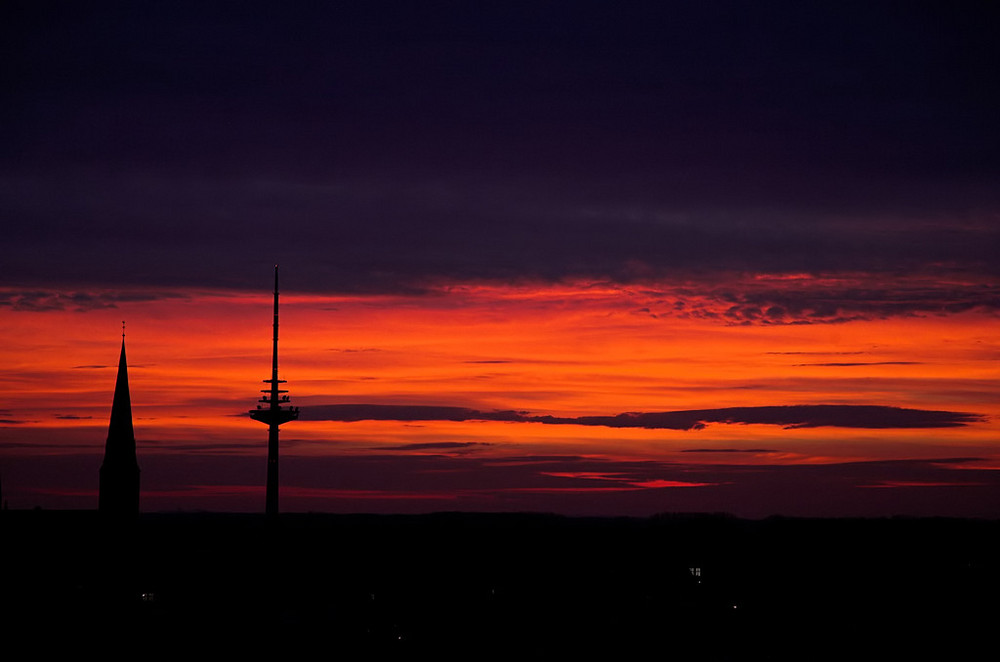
(273, 410)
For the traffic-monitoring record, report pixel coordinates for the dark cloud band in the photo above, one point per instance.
(789, 416)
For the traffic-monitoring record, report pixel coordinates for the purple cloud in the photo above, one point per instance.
(789, 416)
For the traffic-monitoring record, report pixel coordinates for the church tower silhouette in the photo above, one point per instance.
(119, 473)
(270, 411)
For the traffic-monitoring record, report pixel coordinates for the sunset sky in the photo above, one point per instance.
(575, 257)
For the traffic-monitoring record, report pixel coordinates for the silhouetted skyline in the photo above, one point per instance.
(477, 585)
(576, 257)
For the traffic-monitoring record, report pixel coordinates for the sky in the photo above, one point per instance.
(586, 258)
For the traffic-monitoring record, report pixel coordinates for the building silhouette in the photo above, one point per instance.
(119, 473)
(271, 411)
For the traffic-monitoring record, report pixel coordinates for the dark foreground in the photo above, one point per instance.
(474, 586)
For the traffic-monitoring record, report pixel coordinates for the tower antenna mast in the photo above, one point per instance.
(271, 411)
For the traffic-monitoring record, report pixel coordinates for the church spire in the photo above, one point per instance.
(119, 474)
(272, 413)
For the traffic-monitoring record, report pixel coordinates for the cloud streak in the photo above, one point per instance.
(856, 364)
(788, 416)
(79, 301)
(437, 446)
(834, 298)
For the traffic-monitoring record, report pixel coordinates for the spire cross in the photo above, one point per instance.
(123, 329)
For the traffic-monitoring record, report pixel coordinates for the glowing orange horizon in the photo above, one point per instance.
(197, 363)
